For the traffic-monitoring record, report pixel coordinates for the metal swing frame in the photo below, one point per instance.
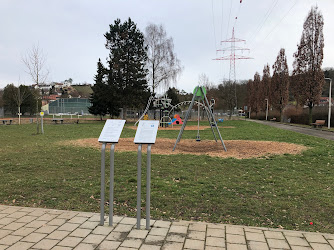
(209, 114)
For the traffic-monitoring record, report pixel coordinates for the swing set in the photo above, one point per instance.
(199, 96)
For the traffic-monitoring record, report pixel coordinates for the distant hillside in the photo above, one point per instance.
(83, 90)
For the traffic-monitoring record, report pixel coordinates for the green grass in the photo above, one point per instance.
(286, 191)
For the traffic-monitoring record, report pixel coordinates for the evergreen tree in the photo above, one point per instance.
(280, 83)
(126, 74)
(172, 93)
(19, 99)
(308, 75)
(98, 98)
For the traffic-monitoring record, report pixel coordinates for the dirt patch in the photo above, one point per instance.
(239, 149)
(178, 127)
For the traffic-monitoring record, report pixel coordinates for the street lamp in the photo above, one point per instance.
(329, 102)
(266, 109)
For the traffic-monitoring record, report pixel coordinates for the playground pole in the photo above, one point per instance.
(198, 138)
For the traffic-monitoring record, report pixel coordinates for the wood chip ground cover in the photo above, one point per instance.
(188, 127)
(240, 149)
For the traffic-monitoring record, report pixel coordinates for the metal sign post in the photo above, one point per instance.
(103, 153)
(145, 134)
(110, 134)
(139, 185)
(42, 128)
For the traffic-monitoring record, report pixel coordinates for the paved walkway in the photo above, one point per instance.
(35, 228)
(303, 130)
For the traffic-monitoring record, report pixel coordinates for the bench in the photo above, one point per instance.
(56, 120)
(4, 122)
(273, 119)
(318, 123)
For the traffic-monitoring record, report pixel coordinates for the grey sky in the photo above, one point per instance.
(70, 32)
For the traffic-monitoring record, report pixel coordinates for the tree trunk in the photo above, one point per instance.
(281, 115)
(310, 114)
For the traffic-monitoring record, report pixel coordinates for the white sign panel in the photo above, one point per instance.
(111, 131)
(146, 132)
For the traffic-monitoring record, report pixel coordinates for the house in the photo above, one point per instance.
(46, 99)
(324, 101)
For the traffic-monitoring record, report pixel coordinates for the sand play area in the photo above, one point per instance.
(240, 149)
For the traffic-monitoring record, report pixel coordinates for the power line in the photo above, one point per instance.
(272, 30)
(214, 28)
(281, 19)
(229, 17)
(266, 16)
(236, 17)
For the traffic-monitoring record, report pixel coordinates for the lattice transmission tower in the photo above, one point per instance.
(233, 57)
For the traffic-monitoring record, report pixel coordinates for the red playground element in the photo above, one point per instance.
(176, 120)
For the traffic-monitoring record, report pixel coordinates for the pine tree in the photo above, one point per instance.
(98, 98)
(308, 76)
(126, 74)
(280, 83)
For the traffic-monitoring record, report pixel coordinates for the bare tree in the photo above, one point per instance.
(35, 62)
(280, 83)
(163, 64)
(227, 95)
(265, 86)
(308, 75)
(203, 80)
(256, 93)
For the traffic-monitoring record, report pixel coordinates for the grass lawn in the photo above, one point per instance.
(287, 191)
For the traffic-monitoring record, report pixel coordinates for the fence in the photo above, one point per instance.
(70, 105)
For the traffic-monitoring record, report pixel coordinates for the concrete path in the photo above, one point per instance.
(307, 131)
(35, 228)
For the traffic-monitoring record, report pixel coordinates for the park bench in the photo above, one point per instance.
(318, 123)
(273, 119)
(56, 120)
(4, 122)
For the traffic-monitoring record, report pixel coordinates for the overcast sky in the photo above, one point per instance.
(70, 32)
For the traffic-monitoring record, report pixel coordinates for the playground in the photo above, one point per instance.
(288, 189)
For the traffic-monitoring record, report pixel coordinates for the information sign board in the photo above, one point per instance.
(111, 131)
(146, 132)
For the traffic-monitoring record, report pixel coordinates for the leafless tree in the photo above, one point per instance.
(265, 87)
(203, 80)
(162, 63)
(308, 75)
(227, 95)
(35, 62)
(256, 93)
(280, 83)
